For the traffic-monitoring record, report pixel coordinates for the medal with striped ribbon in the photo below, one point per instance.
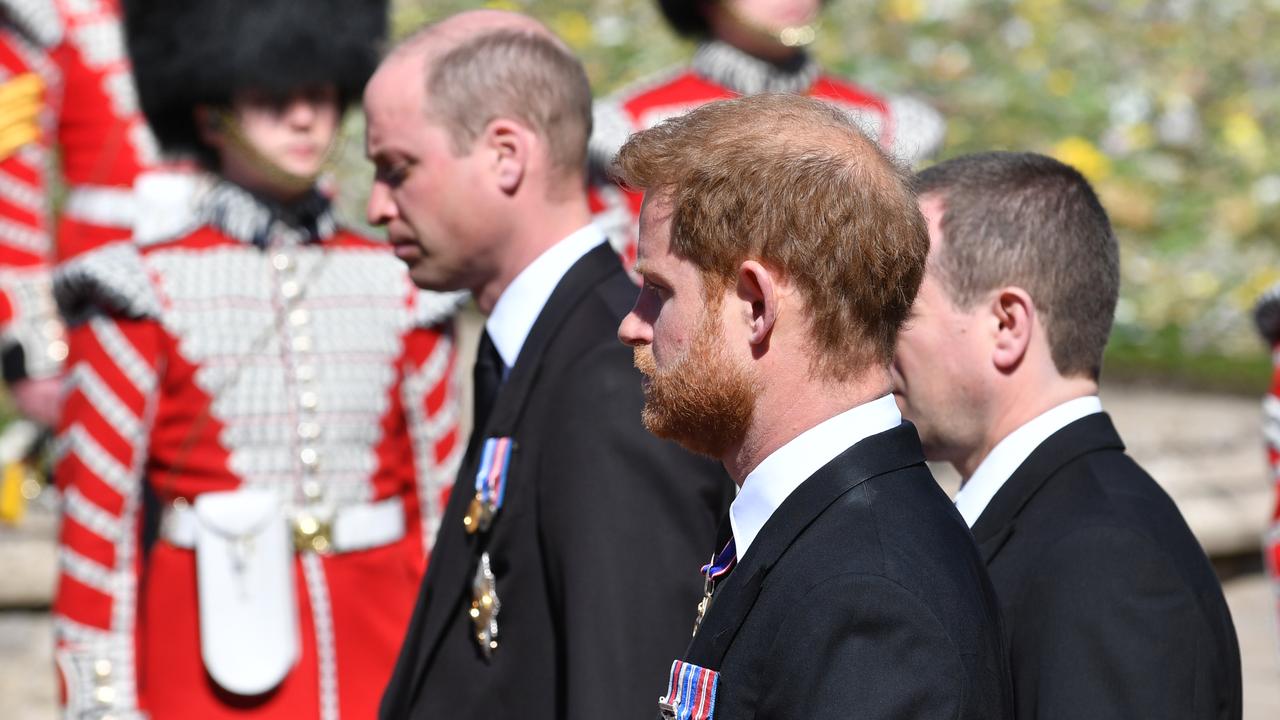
(691, 693)
(491, 485)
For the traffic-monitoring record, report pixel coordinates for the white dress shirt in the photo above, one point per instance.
(786, 468)
(520, 304)
(1013, 450)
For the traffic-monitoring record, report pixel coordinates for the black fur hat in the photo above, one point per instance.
(686, 18)
(200, 52)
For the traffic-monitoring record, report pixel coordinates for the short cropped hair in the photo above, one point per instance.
(792, 183)
(1028, 220)
(518, 75)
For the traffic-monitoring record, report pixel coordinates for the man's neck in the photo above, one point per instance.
(535, 231)
(1021, 408)
(784, 411)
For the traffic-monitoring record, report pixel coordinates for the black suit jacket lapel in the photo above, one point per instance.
(453, 559)
(885, 452)
(997, 522)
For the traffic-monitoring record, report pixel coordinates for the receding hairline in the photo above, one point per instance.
(436, 39)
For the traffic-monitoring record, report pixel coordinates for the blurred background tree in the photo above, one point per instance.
(1170, 107)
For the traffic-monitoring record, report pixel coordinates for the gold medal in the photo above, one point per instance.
(479, 516)
(702, 610)
(485, 606)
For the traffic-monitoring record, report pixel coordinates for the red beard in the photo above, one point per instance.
(703, 401)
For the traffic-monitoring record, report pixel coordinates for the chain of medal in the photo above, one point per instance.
(708, 587)
(720, 563)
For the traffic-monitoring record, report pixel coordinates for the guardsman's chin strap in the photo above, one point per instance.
(282, 178)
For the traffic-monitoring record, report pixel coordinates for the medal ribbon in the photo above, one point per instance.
(722, 563)
(491, 478)
(691, 692)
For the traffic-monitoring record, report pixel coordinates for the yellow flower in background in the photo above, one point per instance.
(573, 27)
(503, 5)
(1084, 156)
(904, 10)
(1241, 133)
(1247, 293)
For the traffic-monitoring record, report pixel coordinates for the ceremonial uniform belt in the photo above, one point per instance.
(360, 526)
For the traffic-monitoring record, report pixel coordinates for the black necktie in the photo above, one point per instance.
(487, 378)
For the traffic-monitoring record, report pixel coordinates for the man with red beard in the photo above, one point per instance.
(779, 262)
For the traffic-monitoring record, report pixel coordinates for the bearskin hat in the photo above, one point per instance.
(200, 52)
(686, 18)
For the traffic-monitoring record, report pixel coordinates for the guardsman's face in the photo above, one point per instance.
(292, 134)
(777, 14)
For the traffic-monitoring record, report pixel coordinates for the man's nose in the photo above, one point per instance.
(633, 330)
(380, 209)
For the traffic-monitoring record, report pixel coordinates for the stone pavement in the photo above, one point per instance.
(1205, 449)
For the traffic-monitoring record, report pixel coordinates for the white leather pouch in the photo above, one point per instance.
(245, 578)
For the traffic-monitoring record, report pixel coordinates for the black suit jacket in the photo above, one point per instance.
(598, 545)
(1111, 607)
(864, 597)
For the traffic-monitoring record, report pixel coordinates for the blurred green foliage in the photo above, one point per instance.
(1170, 107)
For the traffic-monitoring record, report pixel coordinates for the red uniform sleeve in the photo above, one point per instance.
(112, 387)
(28, 83)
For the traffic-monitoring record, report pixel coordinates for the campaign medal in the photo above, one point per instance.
(485, 606)
(491, 485)
(691, 693)
(720, 564)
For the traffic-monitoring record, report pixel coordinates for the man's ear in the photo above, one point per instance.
(759, 294)
(210, 123)
(508, 145)
(1013, 314)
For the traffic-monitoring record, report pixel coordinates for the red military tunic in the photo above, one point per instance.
(909, 129)
(1268, 317)
(232, 347)
(90, 114)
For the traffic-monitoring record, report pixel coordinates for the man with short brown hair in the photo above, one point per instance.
(779, 262)
(542, 600)
(1111, 609)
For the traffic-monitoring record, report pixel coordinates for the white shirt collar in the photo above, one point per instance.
(786, 468)
(1013, 450)
(520, 304)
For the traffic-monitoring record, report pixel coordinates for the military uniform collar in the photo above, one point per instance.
(742, 73)
(252, 219)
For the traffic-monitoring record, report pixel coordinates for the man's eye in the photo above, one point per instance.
(657, 290)
(394, 175)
